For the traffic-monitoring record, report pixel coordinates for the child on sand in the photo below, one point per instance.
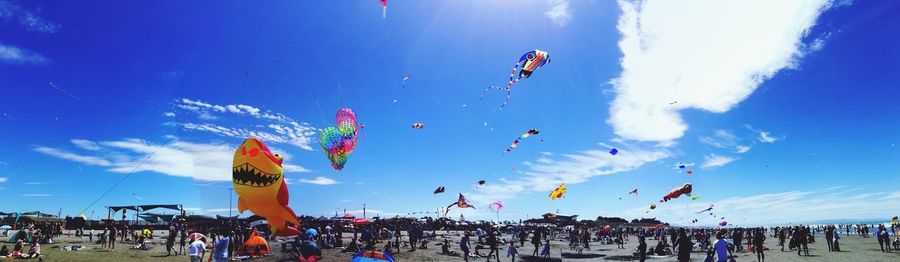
(511, 251)
(546, 251)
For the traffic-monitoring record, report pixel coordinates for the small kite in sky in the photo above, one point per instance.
(653, 206)
(723, 223)
(383, 8)
(460, 203)
(689, 172)
(418, 125)
(613, 151)
(403, 81)
(633, 191)
(523, 136)
(439, 190)
(677, 192)
(495, 206)
(695, 198)
(527, 64)
(708, 209)
(481, 182)
(63, 91)
(559, 192)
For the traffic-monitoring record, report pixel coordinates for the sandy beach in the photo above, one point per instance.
(854, 249)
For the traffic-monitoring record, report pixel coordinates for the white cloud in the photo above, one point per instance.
(14, 55)
(685, 52)
(291, 168)
(559, 12)
(322, 181)
(3, 179)
(741, 149)
(85, 144)
(169, 114)
(278, 127)
(714, 161)
(37, 195)
(766, 138)
(182, 159)
(89, 160)
(721, 139)
(781, 208)
(546, 173)
(27, 19)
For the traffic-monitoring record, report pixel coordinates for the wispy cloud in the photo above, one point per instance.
(28, 19)
(3, 179)
(559, 12)
(37, 195)
(85, 144)
(320, 180)
(182, 159)
(781, 208)
(672, 52)
(546, 173)
(169, 114)
(763, 135)
(714, 161)
(273, 127)
(14, 55)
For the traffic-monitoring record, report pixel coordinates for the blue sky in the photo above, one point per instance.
(784, 119)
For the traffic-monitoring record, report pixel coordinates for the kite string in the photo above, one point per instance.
(127, 175)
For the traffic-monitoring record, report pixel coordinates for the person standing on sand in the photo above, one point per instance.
(642, 248)
(721, 247)
(522, 236)
(464, 245)
(170, 241)
(183, 239)
(684, 246)
(492, 243)
(546, 251)
(829, 235)
(112, 237)
(536, 241)
(197, 248)
(758, 240)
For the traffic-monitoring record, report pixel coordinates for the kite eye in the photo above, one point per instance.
(530, 56)
(243, 151)
(254, 151)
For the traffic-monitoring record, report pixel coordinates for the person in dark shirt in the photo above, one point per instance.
(536, 241)
(642, 249)
(684, 246)
(758, 239)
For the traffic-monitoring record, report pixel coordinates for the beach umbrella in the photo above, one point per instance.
(5, 227)
(360, 221)
(196, 236)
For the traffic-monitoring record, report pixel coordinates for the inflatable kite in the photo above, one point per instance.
(523, 136)
(439, 190)
(677, 192)
(689, 172)
(259, 183)
(339, 142)
(709, 209)
(613, 151)
(695, 198)
(558, 192)
(383, 8)
(653, 206)
(418, 125)
(372, 256)
(481, 182)
(527, 64)
(460, 203)
(723, 223)
(633, 191)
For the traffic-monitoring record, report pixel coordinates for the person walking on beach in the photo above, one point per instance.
(522, 236)
(684, 246)
(884, 239)
(197, 249)
(492, 243)
(536, 241)
(464, 245)
(112, 237)
(721, 247)
(642, 248)
(829, 236)
(781, 236)
(183, 241)
(758, 240)
(512, 251)
(170, 241)
(546, 251)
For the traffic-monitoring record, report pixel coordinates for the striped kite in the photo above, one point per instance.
(527, 64)
(558, 192)
(523, 136)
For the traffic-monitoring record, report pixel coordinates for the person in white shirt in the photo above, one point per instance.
(197, 249)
